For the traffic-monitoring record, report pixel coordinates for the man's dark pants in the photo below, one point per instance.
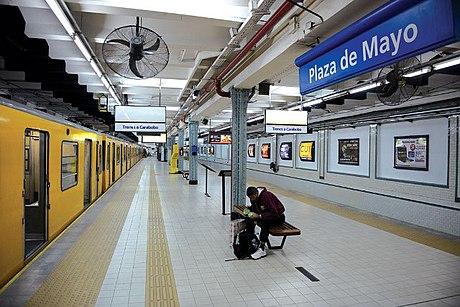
(264, 225)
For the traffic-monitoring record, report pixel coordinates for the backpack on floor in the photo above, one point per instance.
(245, 244)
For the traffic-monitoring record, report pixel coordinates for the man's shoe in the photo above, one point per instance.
(259, 254)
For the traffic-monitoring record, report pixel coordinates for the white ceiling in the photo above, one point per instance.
(196, 32)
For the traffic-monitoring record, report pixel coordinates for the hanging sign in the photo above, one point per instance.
(140, 119)
(383, 37)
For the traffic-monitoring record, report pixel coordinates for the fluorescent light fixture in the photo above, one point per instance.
(313, 102)
(418, 72)
(114, 96)
(294, 108)
(60, 15)
(79, 42)
(105, 82)
(255, 119)
(445, 64)
(96, 68)
(224, 127)
(335, 95)
(364, 87)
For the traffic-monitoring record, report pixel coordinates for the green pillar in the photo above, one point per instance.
(240, 99)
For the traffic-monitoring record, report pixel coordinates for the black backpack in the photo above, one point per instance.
(245, 244)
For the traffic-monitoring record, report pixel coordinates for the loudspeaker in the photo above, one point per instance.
(204, 121)
(264, 88)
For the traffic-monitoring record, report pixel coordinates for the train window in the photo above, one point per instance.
(118, 154)
(69, 165)
(108, 156)
(101, 160)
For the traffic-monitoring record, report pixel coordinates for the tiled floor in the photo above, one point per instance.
(356, 264)
(124, 283)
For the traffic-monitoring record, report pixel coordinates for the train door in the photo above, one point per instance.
(113, 162)
(108, 164)
(98, 166)
(35, 193)
(104, 159)
(127, 158)
(87, 172)
(121, 160)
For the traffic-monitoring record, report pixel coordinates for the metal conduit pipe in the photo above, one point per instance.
(250, 22)
(280, 13)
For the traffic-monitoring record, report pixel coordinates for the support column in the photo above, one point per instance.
(169, 144)
(240, 99)
(193, 156)
(180, 143)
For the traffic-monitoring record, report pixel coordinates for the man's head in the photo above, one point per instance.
(252, 193)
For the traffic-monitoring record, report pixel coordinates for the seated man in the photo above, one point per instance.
(267, 210)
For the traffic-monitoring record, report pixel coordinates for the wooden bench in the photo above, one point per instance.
(284, 230)
(185, 174)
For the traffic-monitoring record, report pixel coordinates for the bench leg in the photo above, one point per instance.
(276, 247)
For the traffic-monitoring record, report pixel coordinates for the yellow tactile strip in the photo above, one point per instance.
(160, 285)
(419, 236)
(77, 279)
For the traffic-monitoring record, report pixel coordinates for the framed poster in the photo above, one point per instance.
(411, 152)
(348, 151)
(286, 151)
(307, 151)
(265, 151)
(251, 150)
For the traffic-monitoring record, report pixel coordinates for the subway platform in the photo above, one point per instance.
(155, 240)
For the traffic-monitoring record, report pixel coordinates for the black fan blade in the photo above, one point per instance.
(119, 41)
(154, 47)
(389, 89)
(133, 67)
(414, 81)
(137, 27)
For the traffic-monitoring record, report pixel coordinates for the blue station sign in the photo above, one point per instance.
(397, 30)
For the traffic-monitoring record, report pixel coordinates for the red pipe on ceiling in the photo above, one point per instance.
(274, 19)
(280, 13)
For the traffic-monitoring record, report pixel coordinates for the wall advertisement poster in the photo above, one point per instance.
(348, 151)
(411, 152)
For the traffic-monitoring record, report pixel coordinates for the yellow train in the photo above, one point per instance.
(50, 172)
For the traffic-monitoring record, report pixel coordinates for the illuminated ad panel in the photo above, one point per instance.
(140, 119)
(251, 150)
(286, 151)
(220, 138)
(307, 151)
(265, 151)
(285, 122)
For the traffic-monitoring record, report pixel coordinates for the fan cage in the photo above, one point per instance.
(117, 55)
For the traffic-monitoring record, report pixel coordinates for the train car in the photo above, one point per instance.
(50, 172)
